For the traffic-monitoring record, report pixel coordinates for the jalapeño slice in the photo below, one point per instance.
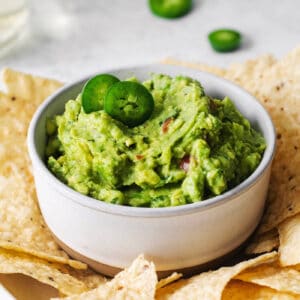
(94, 91)
(170, 8)
(129, 102)
(225, 40)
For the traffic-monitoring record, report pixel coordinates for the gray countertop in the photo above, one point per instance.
(67, 39)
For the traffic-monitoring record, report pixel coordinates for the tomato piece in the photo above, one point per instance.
(185, 163)
(166, 123)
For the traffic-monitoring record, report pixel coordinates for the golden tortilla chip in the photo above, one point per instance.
(239, 290)
(55, 275)
(266, 242)
(28, 87)
(250, 73)
(209, 285)
(138, 282)
(273, 276)
(165, 281)
(289, 235)
(276, 85)
(197, 66)
(18, 286)
(22, 227)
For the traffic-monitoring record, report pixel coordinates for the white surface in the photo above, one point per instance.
(71, 38)
(4, 294)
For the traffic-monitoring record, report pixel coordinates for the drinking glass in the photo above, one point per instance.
(13, 17)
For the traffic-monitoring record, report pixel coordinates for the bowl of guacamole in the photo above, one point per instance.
(161, 160)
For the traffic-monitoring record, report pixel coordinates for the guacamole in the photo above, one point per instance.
(191, 148)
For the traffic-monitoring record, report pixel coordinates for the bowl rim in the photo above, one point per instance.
(130, 211)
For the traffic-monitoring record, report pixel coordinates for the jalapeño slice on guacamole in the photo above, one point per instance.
(94, 91)
(129, 102)
(191, 148)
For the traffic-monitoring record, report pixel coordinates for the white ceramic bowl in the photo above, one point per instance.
(109, 236)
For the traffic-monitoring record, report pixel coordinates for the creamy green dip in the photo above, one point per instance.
(192, 148)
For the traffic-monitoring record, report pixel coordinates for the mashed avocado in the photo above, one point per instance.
(192, 148)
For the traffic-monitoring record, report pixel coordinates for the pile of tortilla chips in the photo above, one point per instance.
(27, 247)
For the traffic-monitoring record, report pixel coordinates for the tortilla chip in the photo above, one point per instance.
(239, 290)
(17, 285)
(138, 282)
(28, 87)
(276, 85)
(197, 66)
(289, 235)
(273, 276)
(209, 285)
(22, 227)
(55, 275)
(250, 73)
(266, 242)
(165, 281)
